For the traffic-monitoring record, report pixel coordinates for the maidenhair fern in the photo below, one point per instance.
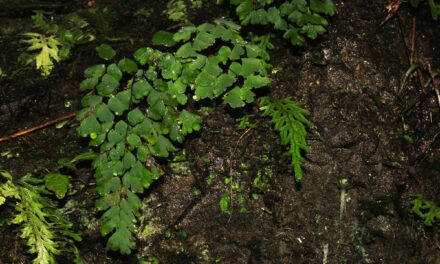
(130, 123)
(41, 224)
(289, 119)
(133, 111)
(177, 10)
(219, 74)
(296, 18)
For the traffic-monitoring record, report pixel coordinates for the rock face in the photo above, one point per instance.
(382, 146)
(358, 135)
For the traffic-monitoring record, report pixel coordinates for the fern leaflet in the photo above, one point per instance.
(288, 117)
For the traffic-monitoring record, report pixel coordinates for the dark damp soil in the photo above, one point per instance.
(358, 135)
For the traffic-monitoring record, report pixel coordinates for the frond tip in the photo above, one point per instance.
(289, 119)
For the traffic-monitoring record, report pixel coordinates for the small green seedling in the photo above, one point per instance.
(427, 210)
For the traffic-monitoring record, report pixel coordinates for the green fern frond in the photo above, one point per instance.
(35, 228)
(135, 122)
(100, 19)
(288, 117)
(48, 51)
(40, 223)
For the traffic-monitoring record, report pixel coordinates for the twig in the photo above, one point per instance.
(413, 37)
(435, 84)
(41, 145)
(38, 127)
(413, 54)
(31, 138)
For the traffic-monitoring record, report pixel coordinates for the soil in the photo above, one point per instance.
(384, 146)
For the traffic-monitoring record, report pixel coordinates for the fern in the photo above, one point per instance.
(134, 122)
(289, 119)
(56, 41)
(264, 44)
(47, 48)
(296, 18)
(131, 125)
(177, 10)
(218, 74)
(42, 225)
(100, 19)
(427, 210)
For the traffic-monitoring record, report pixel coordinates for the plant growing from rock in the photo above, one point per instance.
(177, 10)
(231, 72)
(427, 210)
(298, 19)
(288, 117)
(133, 110)
(55, 41)
(42, 225)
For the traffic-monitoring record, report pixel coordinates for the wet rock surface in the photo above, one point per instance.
(358, 135)
(355, 136)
